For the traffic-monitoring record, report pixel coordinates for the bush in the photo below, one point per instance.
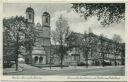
(81, 64)
(107, 63)
(60, 66)
(7, 64)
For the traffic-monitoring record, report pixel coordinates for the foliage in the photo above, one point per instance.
(92, 45)
(81, 64)
(74, 40)
(117, 38)
(59, 36)
(107, 13)
(19, 35)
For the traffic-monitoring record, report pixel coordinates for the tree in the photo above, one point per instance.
(117, 38)
(18, 33)
(59, 36)
(102, 48)
(87, 46)
(123, 53)
(107, 13)
(74, 40)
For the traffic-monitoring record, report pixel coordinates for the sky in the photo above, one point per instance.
(76, 23)
(64, 81)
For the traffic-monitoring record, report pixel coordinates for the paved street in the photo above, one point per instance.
(112, 70)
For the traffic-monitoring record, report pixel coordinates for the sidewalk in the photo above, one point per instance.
(91, 70)
(21, 67)
(24, 68)
(67, 68)
(78, 67)
(12, 70)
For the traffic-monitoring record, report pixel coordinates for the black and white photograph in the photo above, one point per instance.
(64, 39)
(63, 81)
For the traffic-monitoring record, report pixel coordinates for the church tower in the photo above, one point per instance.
(41, 50)
(46, 33)
(30, 19)
(30, 15)
(46, 28)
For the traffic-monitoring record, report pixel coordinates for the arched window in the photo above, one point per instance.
(29, 16)
(46, 19)
(40, 60)
(36, 59)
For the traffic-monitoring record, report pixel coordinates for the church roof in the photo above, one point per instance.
(38, 26)
(38, 50)
(29, 9)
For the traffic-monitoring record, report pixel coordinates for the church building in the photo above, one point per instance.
(41, 49)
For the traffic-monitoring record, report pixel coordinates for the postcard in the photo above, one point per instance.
(64, 41)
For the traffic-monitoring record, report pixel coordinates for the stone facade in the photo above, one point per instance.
(41, 50)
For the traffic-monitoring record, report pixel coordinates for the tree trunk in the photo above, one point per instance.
(86, 63)
(61, 60)
(16, 64)
(115, 60)
(16, 59)
(102, 58)
(87, 59)
(102, 53)
(17, 49)
(86, 52)
(50, 62)
(122, 60)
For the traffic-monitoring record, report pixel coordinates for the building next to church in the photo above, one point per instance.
(98, 49)
(41, 49)
(94, 50)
